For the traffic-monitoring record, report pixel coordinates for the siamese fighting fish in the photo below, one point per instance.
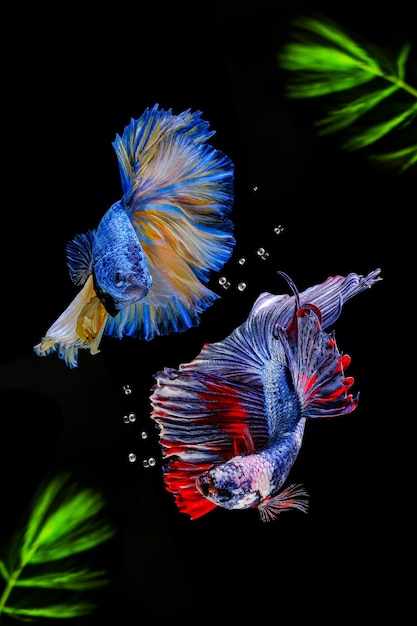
(144, 270)
(231, 422)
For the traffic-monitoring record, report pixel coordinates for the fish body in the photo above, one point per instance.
(231, 422)
(251, 477)
(120, 270)
(144, 270)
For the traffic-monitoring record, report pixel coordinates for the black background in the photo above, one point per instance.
(72, 79)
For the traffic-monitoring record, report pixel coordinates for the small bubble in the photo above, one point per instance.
(151, 462)
(127, 390)
(224, 282)
(129, 418)
(132, 457)
(144, 434)
(262, 253)
(242, 286)
(242, 260)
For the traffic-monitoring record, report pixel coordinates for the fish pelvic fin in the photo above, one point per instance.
(203, 421)
(80, 326)
(316, 365)
(293, 497)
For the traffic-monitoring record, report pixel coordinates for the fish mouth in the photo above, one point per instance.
(109, 303)
(112, 304)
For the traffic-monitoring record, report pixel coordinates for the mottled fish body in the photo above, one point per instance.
(231, 422)
(120, 269)
(144, 271)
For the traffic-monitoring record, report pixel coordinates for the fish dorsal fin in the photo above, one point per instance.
(203, 420)
(316, 365)
(79, 257)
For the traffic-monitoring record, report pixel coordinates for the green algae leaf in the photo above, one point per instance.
(64, 521)
(403, 159)
(363, 89)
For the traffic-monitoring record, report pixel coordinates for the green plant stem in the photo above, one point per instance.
(14, 577)
(391, 78)
(9, 588)
(401, 84)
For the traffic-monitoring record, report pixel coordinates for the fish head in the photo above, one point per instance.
(229, 485)
(119, 264)
(120, 282)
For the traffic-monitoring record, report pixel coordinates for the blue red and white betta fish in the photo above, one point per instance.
(231, 422)
(144, 270)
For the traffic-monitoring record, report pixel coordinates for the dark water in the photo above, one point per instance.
(72, 81)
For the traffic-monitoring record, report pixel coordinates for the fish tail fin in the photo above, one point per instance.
(316, 365)
(202, 420)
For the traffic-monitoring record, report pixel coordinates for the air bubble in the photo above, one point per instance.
(127, 390)
(262, 253)
(132, 457)
(151, 462)
(129, 418)
(223, 282)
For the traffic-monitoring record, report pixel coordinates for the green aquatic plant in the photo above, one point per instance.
(63, 522)
(365, 90)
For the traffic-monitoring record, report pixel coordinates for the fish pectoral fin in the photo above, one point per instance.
(293, 497)
(79, 257)
(243, 443)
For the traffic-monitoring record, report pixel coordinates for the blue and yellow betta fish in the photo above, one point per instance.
(231, 422)
(144, 270)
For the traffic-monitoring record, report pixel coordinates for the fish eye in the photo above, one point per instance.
(119, 279)
(208, 489)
